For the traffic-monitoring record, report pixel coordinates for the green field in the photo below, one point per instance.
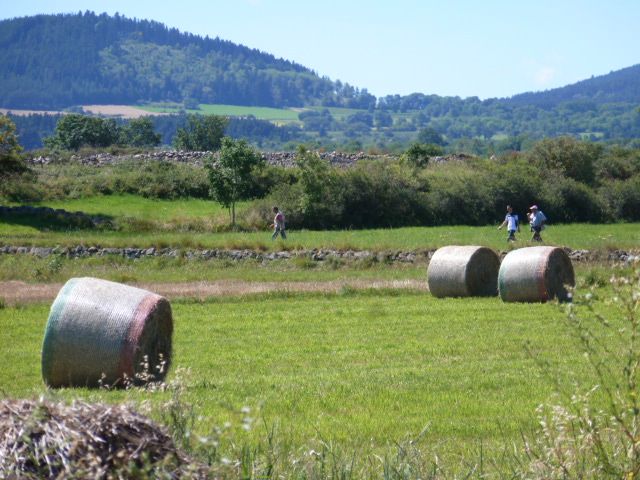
(359, 369)
(277, 115)
(576, 236)
(184, 223)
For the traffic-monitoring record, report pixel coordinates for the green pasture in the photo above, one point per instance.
(162, 269)
(188, 223)
(284, 115)
(360, 369)
(157, 230)
(150, 210)
(277, 115)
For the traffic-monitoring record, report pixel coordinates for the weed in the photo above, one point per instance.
(595, 434)
(305, 263)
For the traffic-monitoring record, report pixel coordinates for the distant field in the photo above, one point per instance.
(261, 113)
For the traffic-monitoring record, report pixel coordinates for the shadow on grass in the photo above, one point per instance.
(49, 219)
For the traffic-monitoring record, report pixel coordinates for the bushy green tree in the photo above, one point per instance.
(418, 154)
(321, 202)
(231, 175)
(139, 132)
(429, 135)
(573, 158)
(74, 131)
(202, 133)
(10, 160)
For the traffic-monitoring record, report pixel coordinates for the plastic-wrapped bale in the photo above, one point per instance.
(535, 274)
(105, 333)
(463, 271)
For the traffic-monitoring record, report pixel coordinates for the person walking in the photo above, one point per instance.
(537, 219)
(278, 225)
(512, 222)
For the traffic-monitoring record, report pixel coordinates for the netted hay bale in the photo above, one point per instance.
(535, 274)
(463, 271)
(106, 333)
(52, 440)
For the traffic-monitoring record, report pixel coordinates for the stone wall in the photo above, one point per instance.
(283, 159)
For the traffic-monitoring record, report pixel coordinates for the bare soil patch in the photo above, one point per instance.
(21, 293)
(123, 111)
(24, 113)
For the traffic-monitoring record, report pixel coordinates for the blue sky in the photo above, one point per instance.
(490, 48)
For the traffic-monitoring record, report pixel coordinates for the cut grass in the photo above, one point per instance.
(576, 236)
(361, 369)
(165, 269)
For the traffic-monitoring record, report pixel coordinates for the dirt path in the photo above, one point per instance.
(21, 293)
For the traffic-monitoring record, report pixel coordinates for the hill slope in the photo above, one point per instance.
(55, 61)
(618, 86)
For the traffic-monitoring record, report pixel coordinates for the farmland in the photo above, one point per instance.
(282, 352)
(358, 369)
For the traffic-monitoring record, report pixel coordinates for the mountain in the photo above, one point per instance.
(57, 61)
(615, 87)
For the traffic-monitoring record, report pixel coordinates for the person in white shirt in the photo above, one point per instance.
(537, 219)
(512, 222)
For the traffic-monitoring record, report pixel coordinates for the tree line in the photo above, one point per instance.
(572, 180)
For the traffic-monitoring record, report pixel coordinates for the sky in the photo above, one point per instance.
(483, 48)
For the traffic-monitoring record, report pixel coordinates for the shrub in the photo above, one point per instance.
(623, 198)
(594, 434)
(573, 158)
(566, 200)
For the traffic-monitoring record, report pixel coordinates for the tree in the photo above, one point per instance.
(74, 131)
(140, 133)
(202, 133)
(321, 202)
(571, 157)
(230, 176)
(429, 135)
(418, 154)
(10, 160)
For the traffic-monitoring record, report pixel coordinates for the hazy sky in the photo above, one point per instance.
(487, 48)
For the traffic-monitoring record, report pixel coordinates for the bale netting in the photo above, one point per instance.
(535, 274)
(463, 271)
(104, 333)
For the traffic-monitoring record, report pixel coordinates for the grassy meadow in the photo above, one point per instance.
(189, 223)
(362, 370)
(359, 371)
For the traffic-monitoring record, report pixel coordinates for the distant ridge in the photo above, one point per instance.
(617, 86)
(56, 61)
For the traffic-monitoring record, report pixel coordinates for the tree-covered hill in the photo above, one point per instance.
(56, 61)
(619, 86)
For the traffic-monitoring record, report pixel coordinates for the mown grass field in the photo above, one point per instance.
(151, 222)
(278, 115)
(359, 369)
(577, 236)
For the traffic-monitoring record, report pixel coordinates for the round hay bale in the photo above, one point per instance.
(466, 271)
(106, 333)
(535, 274)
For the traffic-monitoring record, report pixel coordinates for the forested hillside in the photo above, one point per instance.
(63, 61)
(56, 61)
